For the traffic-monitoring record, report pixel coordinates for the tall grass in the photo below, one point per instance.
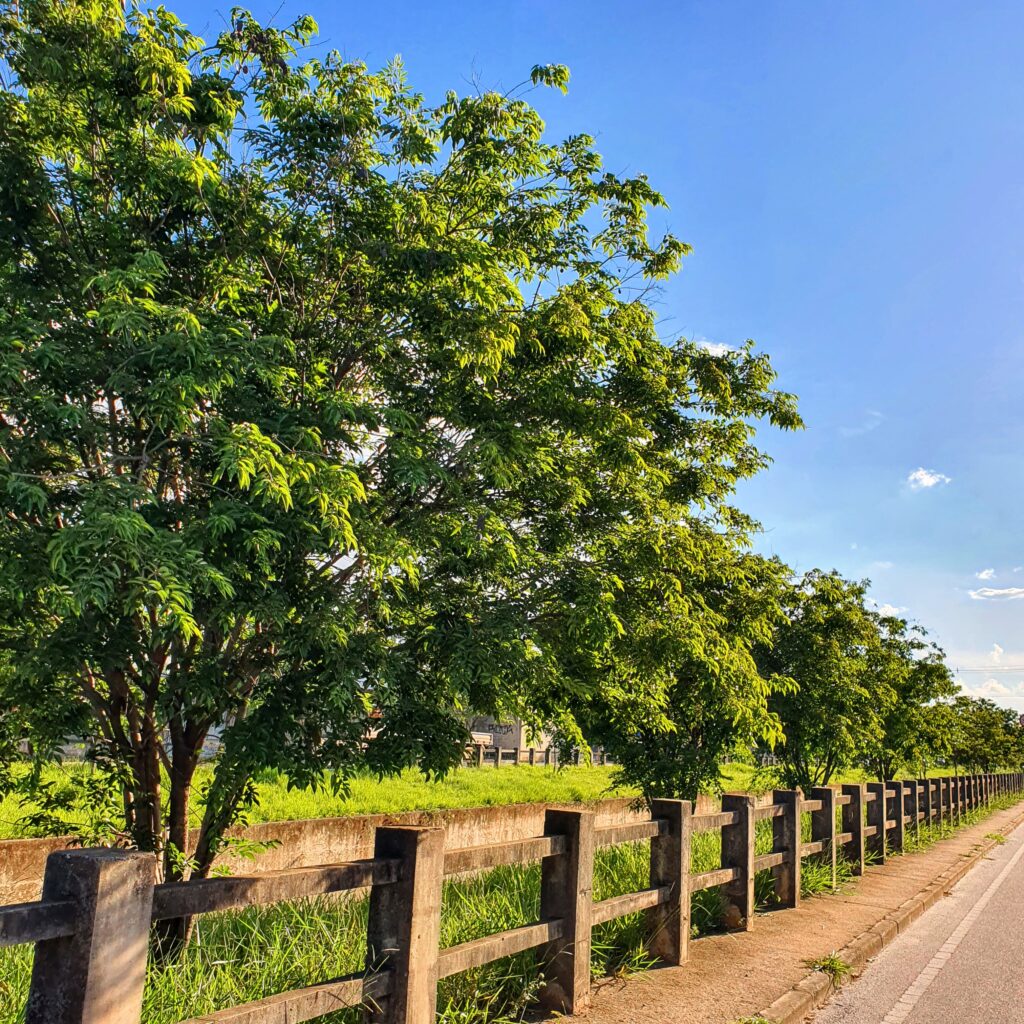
(366, 794)
(243, 955)
(249, 954)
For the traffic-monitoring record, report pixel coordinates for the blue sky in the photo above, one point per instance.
(850, 177)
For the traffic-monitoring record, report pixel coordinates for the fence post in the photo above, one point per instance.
(738, 853)
(97, 974)
(876, 819)
(404, 927)
(853, 822)
(912, 796)
(946, 799)
(786, 839)
(669, 923)
(566, 892)
(894, 801)
(479, 755)
(924, 790)
(823, 826)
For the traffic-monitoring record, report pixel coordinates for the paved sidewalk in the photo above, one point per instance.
(736, 975)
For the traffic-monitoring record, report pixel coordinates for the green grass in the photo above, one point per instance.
(410, 791)
(835, 967)
(250, 954)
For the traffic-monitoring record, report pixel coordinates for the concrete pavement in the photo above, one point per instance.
(962, 961)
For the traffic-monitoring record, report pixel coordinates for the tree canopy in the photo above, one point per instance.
(828, 647)
(329, 413)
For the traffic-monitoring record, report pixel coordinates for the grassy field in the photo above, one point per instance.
(465, 787)
(240, 956)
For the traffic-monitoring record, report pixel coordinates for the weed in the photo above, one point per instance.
(834, 966)
(996, 837)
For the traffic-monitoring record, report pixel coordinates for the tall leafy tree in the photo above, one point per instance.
(982, 736)
(916, 673)
(828, 646)
(717, 699)
(322, 406)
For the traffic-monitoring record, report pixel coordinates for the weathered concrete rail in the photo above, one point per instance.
(310, 841)
(91, 926)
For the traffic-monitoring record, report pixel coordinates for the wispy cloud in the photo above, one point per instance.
(989, 688)
(880, 565)
(997, 593)
(921, 479)
(873, 419)
(985, 574)
(996, 654)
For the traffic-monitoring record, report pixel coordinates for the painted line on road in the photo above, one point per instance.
(922, 982)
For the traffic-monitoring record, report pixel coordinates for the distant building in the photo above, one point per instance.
(507, 735)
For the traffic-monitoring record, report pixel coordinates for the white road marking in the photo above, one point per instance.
(921, 983)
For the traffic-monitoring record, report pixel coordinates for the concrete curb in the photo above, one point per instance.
(816, 988)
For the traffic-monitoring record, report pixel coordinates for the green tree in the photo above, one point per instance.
(916, 673)
(317, 403)
(717, 699)
(828, 646)
(985, 737)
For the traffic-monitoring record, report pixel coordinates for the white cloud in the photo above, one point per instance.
(715, 348)
(890, 609)
(1018, 568)
(922, 478)
(997, 594)
(873, 419)
(985, 574)
(880, 565)
(989, 688)
(996, 654)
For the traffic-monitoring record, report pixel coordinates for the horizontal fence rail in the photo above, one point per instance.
(91, 928)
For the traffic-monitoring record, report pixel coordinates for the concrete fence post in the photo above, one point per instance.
(947, 799)
(876, 844)
(823, 826)
(738, 853)
(924, 795)
(853, 822)
(403, 932)
(786, 839)
(479, 755)
(912, 805)
(566, 893)
(669, 923)
(97, 974)
(897, 812)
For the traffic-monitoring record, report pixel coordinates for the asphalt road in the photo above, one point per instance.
(961, 962)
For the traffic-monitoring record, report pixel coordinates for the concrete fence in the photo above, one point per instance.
(481, 754)
(91, 927)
